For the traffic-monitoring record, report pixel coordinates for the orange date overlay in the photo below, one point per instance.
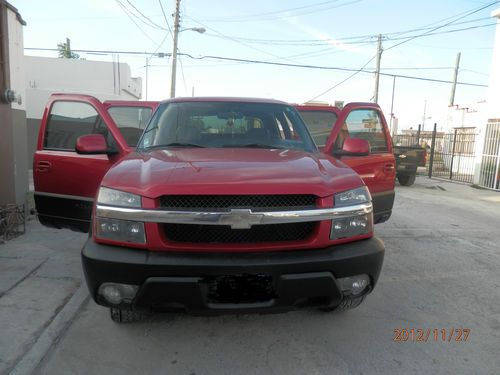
(431, 334)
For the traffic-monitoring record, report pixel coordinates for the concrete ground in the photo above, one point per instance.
(441, 271)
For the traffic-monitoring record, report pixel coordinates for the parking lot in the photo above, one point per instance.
(440, 275)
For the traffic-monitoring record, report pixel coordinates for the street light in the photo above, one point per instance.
(177, 30)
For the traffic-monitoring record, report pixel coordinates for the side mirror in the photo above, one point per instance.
(354, 147)
(91, 144)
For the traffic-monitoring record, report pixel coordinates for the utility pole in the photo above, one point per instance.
(455, 77)
(377, 69)
(425, 114)
(147, 66)
(68, 48)
(174, 52)
(392, 104)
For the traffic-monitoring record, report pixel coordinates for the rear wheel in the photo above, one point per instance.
(125, 316)
(347, 303)
(407, 180)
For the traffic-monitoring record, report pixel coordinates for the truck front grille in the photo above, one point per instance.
(224, 234)
(282, 202)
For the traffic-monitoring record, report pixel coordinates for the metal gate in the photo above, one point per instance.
(489, 175)
(452, 155)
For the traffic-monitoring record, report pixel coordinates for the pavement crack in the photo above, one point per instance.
(24, 278)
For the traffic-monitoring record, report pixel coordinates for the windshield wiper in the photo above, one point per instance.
(175, 144)
(254, 145)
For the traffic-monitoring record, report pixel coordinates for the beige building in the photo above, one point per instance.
(13, 155)
(45, 76)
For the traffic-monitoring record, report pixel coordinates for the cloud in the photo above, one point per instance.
(318, 34)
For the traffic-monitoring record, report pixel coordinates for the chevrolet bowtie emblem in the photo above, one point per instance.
(241, 218)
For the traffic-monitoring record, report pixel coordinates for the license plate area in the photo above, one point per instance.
(235, 289)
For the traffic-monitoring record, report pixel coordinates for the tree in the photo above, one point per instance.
(64, 51)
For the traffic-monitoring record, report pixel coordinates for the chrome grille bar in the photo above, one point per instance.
(235, 218)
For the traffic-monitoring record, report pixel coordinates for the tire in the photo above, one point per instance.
(407, 180)
(348, 303)
(125, 316)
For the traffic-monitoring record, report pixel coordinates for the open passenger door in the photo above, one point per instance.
(377, 169)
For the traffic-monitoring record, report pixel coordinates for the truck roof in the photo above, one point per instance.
(223, 99)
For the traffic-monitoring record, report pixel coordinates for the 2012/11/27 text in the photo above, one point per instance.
(431, 334)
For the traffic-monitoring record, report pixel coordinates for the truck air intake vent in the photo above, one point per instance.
(224, 234)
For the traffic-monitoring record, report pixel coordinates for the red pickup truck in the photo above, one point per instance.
(222, 205)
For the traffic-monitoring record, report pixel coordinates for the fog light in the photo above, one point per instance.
(354, 285)
(118, 293)
(111, 294)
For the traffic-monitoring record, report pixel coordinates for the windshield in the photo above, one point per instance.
(227, 124)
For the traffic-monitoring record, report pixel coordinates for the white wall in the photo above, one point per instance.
(492, 108)
(13, 132)
(104, 80)
(494, 82)
(16, 58)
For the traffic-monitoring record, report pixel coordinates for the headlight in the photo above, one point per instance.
(114, 197)
(357, 221)
(352, 197)
(114, 229)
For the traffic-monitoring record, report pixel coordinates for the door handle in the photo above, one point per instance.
(388, 167)
(43, 166)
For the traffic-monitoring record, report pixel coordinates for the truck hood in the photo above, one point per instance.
(203, 171)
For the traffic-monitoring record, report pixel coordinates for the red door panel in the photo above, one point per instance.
(65, 181)
(377, 169)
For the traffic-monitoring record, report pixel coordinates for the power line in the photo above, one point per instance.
(166, 36)
(166, 19)
(290, 12)
(332, 42)
(360, 39)
(344, 80)
(324, 68)
(474, 71)
(183, 77)
(126, 11)
(223, 36)
(262, 62)
(473, 11)
(420, 68)
(148, 20)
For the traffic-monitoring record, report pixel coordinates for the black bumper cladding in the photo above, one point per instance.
(208, 283)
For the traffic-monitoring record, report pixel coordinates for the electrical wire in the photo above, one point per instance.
(290, 12)
(223, 36)
(183, 77)
(361, 39)
(474, 71)
(148, 20)
(468, 13)
(126, 11)
(343, 81)
(166, 19)
(250, 61)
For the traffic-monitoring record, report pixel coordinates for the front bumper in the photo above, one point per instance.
(175, 280)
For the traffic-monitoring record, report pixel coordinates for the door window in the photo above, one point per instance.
(363, 124)
(70, 120)
(320, 124)
(130, 121)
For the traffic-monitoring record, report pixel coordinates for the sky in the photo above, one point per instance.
(315, 33)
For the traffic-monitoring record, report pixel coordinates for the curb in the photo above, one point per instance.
(29, 363)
